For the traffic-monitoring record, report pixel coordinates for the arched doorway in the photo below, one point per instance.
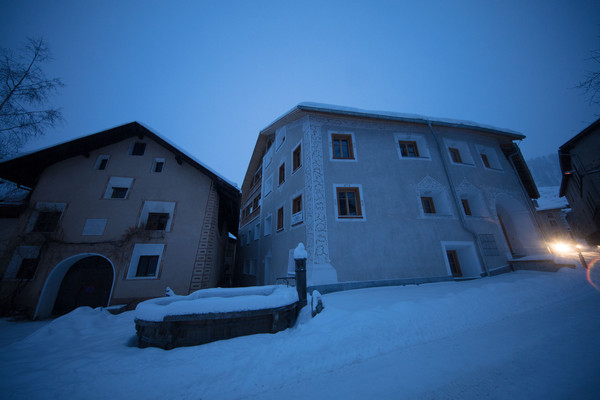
(515, 222)
(82, 280)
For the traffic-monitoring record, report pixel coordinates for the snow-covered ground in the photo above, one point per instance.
(522, 335)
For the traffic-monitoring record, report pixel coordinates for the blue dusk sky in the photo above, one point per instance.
(209, 75)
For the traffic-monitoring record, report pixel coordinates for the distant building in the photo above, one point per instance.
(580, 165)
(381, 196)
(552, 211)
(114, 218)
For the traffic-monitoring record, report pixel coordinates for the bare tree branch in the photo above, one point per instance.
(591, 84)
(24, 89)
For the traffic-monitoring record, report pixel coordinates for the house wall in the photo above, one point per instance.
(394, 239)
(81, 187)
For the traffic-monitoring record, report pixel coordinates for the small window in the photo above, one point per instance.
(342, 146)
(297, 158)
(297, 216)
(119, 192)
(157, 221)
(455, 155)
(101, 163)
(281, 174)
(158, 165)
(428, 205)
(47, 221)
(466, 206)
(348, 200)
(454, 264)
(147, 266)
(268, 225)
(138, 149)
(280, 219)
(408, 149)
(257, 231)
(27, 268)
(485, 160)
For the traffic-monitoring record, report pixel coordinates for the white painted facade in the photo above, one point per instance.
(394, 237)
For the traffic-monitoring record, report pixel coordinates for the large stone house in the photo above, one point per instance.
(113, 218)
(580, 164)
(379, 196)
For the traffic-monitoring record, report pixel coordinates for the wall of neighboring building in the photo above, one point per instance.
(84, 193)
(393, 238)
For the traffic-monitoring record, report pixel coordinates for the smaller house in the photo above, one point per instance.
(551, 212)
(113, 218)
(580, 165)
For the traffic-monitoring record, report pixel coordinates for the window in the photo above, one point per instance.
(101, 162)
(486, 161)
(47, 221)
(27, 268)
(280, 219)
(297, 216)
(157, 215)
(342, 146)
(281, 173)
(466, 207)
(119, 193)
(145, 261)
(348, 200)
(157, 221)
(268, 186)
(146, 266)
(454, 264)
(280, 137)
(257, 177)
(257, 231)
(455, 155)
(297, 158)
(138, 149)
(118, 187)
(428, 205)
(408, 149)
(158, 165)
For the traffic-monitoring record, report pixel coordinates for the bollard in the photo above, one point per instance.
(300, 256)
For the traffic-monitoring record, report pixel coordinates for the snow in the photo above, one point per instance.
(549, 199)
(524, 334)
(300, 252)
(217, 300)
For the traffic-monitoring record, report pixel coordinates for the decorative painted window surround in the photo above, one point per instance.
(143, 264)
(155, 207)
(360, 204)
(101, 162)
(430, 188)
(44, 216)
(352, 149)
(118, 187)
(462, 147)
(489, 158)
(297, 157)
(419, 139)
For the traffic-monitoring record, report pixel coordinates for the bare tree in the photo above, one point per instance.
(591, 85)
(24, 92)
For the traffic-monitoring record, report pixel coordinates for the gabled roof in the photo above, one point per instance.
(564, 156)
(26, 169)
(300, 110)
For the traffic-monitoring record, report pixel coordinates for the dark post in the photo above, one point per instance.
(300, 260)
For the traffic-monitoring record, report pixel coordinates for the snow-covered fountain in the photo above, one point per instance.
(214, 314)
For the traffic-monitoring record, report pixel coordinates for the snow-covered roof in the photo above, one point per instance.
(396, 116)
(549, 199)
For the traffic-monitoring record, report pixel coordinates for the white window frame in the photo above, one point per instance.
(492, 156)
(330, 134)
(268, 225)
(257, 231)
(167, 207)
(301, 157)
(156, 161)
(43, 206)
(21, 253)
(463, 148)
(268, 186)
(299, 216)
(419, 139)
(280, 134)
(145, 249)
(361, 193)
(99, 161)
(117, 182)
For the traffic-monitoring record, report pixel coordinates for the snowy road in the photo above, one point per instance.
(522, 335)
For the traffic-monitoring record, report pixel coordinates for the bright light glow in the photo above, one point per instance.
(561, 247)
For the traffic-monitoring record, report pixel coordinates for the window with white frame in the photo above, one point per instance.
(349, 203)
(118, 187)
(157, 215)
(268, 186)
(412, 146)
(297, 214)
(489, 157)
(458, 152)
(268, 225)
(158, 165)
(94, 227)
(257, 231)
(297, 157)
(342, 146)
(432, 198)
(46, 217)
(137, 148)
(145, 261)
(23, 263)
(473, 205)
(101, 162)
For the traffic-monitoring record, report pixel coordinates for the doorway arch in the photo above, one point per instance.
(81, 280)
